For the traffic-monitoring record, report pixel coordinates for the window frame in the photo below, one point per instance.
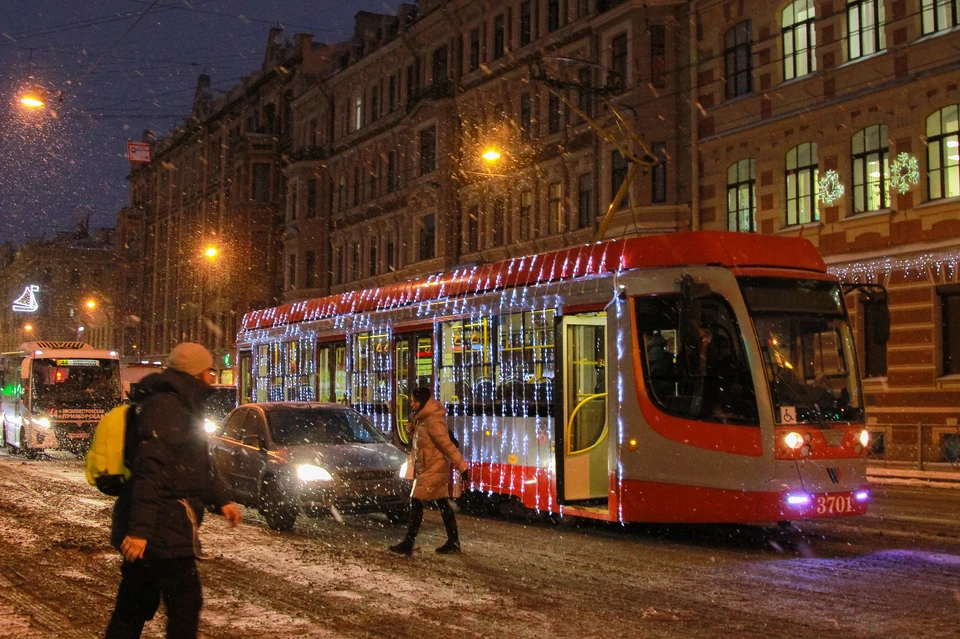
(735, 188)
(733, 51)
(792, 32)
(426, 237)
(795, 175)
(618, 174)
(428, 152)
(860, 161)
(938, 142)
(930, 17)
(857, 37)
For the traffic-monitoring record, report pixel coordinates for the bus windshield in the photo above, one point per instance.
(75, 383)
(807, 348)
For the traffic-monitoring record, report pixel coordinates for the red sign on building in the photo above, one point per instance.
(139, 152)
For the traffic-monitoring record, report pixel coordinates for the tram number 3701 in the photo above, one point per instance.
(834, 504)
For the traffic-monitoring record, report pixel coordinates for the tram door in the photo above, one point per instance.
(585, 435)
(413, 365)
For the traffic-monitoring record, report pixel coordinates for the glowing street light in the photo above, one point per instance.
(91, 304)
(491, 155)
(27, 328)
(32, 102)
(211, 252)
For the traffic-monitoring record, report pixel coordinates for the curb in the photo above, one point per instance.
(908, 477)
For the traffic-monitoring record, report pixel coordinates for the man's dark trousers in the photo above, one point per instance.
(142, 585)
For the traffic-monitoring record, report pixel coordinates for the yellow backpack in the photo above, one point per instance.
(106, 459)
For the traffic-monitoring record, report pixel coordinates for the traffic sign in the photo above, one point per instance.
(139, 152)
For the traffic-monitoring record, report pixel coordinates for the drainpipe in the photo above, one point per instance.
(694, 128)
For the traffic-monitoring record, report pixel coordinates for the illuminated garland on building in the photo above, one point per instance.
(904, 173)
(943, 262)
(830, 188)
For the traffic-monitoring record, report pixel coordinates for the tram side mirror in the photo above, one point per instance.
(690, 320)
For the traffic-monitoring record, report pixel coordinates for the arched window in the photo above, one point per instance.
(738, 60)
(939, 15)
(802, 174)
(865, 24)
(799, 40)
(871, 171)
(943, 153)
(741, 197)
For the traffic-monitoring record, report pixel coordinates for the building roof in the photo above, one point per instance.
(730, 250)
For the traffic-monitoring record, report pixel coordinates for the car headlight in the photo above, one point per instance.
(42, 422)
(309, 472)
(403, 469)
(209, 426)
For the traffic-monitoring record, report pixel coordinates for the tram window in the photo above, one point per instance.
(524, 369)
(706, 379)
(466, 368)
(371, 373)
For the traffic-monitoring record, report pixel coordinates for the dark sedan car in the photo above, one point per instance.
(287, 458)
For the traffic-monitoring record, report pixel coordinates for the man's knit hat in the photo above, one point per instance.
(190, 358)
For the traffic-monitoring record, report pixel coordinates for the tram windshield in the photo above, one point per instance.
(807, 349)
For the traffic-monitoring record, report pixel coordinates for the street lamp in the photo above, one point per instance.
(91, 304)
(211, 252)
(491, 155)
(28, 328)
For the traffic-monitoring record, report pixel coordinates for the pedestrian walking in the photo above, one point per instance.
(157, 517)
(433, 453)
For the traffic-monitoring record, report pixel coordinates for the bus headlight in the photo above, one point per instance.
(864, 438)
(793, 440)
(309, 472)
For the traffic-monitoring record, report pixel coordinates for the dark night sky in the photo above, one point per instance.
(55, 170)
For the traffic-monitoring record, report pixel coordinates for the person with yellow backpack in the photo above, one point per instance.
(153, 455)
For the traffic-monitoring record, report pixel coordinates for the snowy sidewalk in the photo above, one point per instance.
(942, 475)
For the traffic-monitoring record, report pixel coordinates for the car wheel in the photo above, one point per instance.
(29, 453)
(275, 508)
(398, 515)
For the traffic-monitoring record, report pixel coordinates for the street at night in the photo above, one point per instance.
(894, 573)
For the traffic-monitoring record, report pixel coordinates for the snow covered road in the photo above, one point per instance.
(893, 574)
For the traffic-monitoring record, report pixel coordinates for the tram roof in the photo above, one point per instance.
(695, 248)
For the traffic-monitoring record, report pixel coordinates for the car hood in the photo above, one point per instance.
(336, 457)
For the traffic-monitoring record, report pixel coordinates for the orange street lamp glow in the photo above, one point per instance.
(491, 155)
(211, 252)
(32, 102)
(28, 327)
(91, 304)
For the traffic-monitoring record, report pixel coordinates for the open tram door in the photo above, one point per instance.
(413, 366)
(582, 451)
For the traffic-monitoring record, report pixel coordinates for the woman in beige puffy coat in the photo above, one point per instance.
(433, 454)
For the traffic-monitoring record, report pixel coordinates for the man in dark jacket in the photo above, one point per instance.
(156, 519)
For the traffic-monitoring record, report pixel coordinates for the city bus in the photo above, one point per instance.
(698, 377)
(54, 393)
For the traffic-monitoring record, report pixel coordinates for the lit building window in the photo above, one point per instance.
(799, 40)
(802, 173)
(865, 22)
(741, 197)
(871, 171)
(938, 15)
(943, 153)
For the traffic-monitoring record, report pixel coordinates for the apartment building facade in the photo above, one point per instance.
(387, 182)
(837, 121)
(198, 241)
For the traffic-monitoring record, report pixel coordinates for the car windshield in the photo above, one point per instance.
(220, 402)
(76, 382)
(807, 347)
(321, 426)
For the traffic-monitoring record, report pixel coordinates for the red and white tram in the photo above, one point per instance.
(691, 377)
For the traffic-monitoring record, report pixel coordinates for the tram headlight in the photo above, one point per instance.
(793, 440)
(864, 437)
